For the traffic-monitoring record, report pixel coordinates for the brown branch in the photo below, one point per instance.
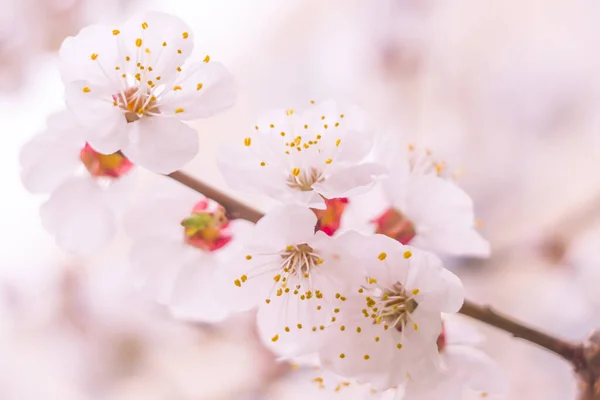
(235, 209)
(569, 351)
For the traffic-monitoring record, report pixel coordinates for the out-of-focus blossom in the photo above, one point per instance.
(298, 279)
(467, 372)
(15, 44)
(131, 88)
(62, 18)
(302, 159)
(180, 238)
(318, 384)
(88, 190)
(387, 330)
(95, 340)
(417, 204)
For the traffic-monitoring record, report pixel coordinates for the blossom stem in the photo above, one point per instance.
(235, 209)
(569, 351)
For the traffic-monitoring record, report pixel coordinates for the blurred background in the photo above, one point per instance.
(506, 91)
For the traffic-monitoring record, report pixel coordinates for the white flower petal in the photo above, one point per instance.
(175, 202)
(475, 369)
(203, 90)
(454, 241)
(103, 125)
(161, 145)
(241, 297)
(460, 331)
(154, 261)
(443, 215)
(51, 156)
(192, 297)
(291, 327)
(443, 388)
(286, 225)
(168, 39)
(78, 216)
(349, 181)
(91, 56)
(244, 172)
(439, 289)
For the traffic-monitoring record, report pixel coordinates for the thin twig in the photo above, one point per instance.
(569, 351)
(235, 209)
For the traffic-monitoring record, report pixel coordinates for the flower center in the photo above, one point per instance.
(299, 260)
(104, 165)
(396, 225)
(329, 220)
(136, 103)
(206, 230)
(392, 306)
(303, 180)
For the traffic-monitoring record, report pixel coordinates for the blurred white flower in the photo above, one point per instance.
(87, 189)
(301, 159)
(298, 279)
(131, 90)
(418, 204)
(180, 238)
(467, 372)
(318, 384)
(387, 331)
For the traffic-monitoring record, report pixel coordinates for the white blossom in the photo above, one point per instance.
(299, 279)
(467, 372)
(132, 87)
(388, 329)
(418, 204)
(303, 158)
(87, 190)
(180, 238)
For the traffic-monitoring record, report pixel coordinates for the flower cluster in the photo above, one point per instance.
(127, 91)
(344, 269)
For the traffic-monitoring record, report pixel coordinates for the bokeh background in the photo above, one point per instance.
(506, 91)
